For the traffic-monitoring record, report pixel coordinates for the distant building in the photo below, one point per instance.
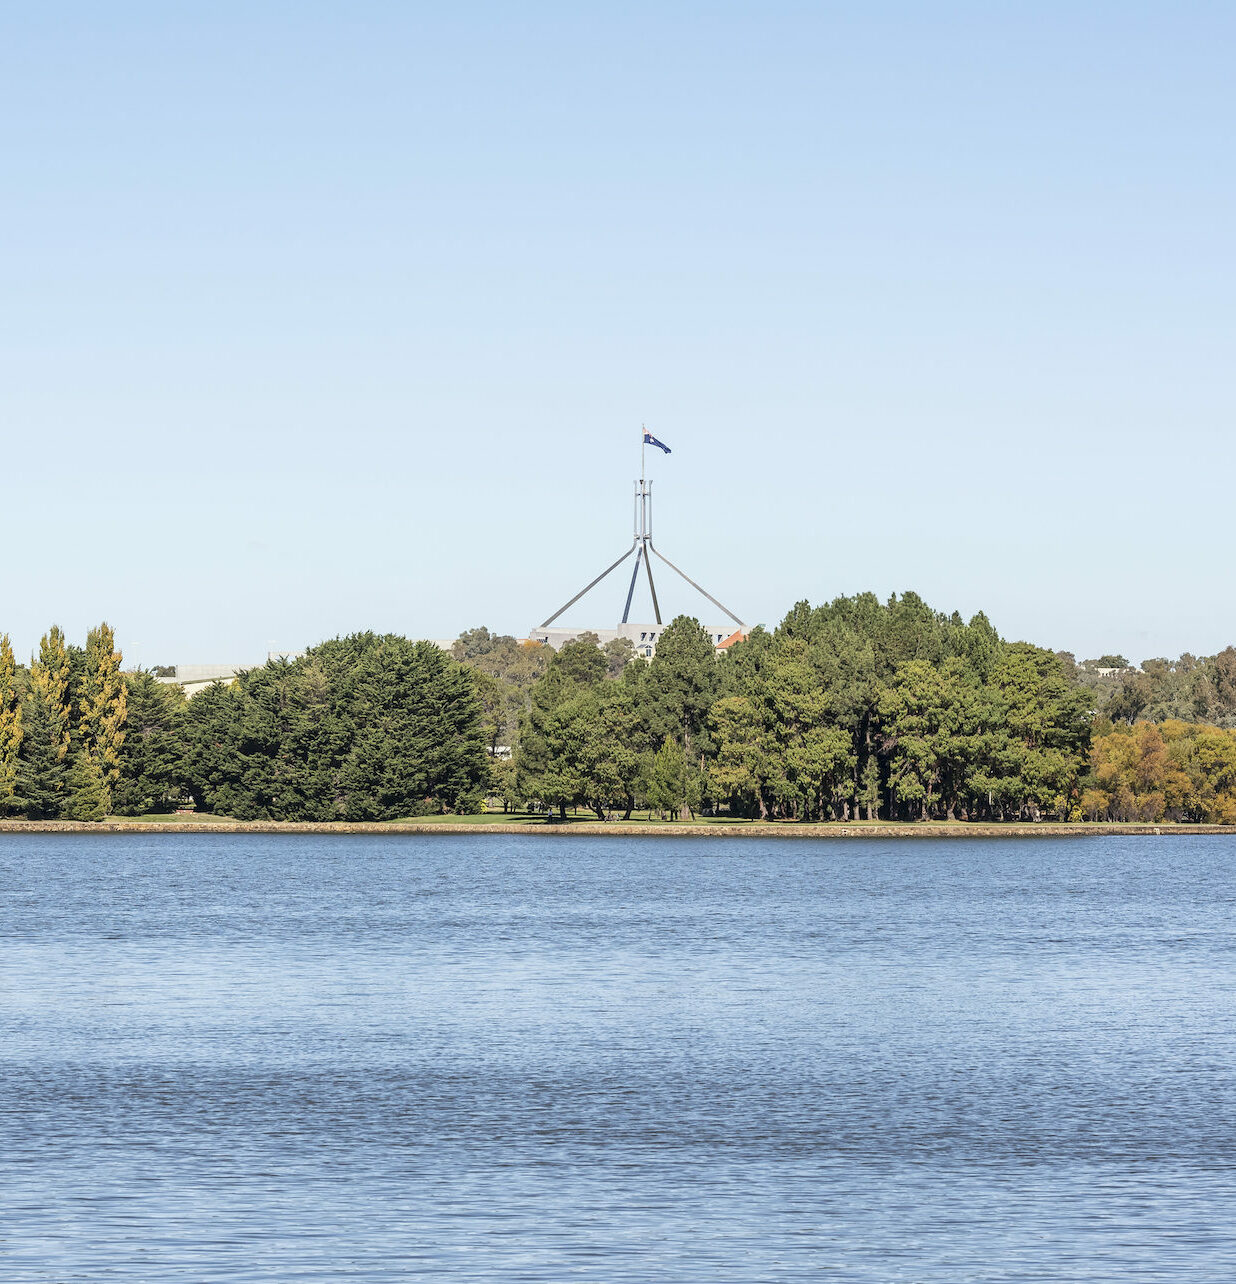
(192, 678)
(643, 637)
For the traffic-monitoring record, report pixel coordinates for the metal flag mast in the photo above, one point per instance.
(643, 548)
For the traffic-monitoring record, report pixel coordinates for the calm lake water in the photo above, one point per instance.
(548, 1059)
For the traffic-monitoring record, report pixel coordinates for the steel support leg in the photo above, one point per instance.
(695, 586)
(652, 588)
(586, 588)
(626, 610)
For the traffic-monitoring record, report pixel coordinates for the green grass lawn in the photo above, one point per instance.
(638, 821)
(580, 817)
(171, 818)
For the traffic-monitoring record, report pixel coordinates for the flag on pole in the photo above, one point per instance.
(650, 440)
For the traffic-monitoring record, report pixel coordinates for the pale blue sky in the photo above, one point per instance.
(316, 318)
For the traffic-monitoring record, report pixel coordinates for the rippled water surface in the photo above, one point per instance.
(482, 1057)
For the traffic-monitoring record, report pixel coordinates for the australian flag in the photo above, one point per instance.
(650, 440)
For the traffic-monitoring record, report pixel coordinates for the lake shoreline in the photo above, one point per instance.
(641, 829)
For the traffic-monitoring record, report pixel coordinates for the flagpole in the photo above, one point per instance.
(643, 473)
(644, 549)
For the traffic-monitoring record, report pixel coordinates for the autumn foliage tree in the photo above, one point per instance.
(1170, 771)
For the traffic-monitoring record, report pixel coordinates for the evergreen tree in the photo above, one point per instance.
(50, 676)
(673, 781)
(101, 700)
(40, 787)
(1038, 747)
(10, 724)
(931, 717)
(367, 727)
(683, 683)
(868, 796)
(740, 772)
(151, 761)
(88, 795)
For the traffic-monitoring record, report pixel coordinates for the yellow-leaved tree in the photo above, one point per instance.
(49, 676)
(102, 700)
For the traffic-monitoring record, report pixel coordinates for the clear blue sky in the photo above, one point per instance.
(316, 318)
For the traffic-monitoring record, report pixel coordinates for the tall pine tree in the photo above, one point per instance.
(152, 762)
(101, 698)
(10, 724)
(49, 677)
(40, 787)
(88, 795)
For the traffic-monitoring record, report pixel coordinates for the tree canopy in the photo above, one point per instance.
(858, 708)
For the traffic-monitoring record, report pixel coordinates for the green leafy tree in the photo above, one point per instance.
(931, 713)
(1037, 753)
(673, 780)
(610, 760)
(516, 665)
(501, 704)
(560, 781)
(814, 755)
(869, 796)
(740, 771)
(504, 784)
(683, 682)
(549, 740)
(517, 662)
(619, 652)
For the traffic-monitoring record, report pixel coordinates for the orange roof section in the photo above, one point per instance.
(739, 636)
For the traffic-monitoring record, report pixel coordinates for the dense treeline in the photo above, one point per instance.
(1190, 689)
(366, 727)
(360, 728)
(862, 709)
(854, 710)
(857, 709)
(62, 727)
(1173, 771)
